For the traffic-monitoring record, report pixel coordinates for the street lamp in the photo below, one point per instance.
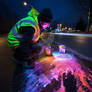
(25, 3)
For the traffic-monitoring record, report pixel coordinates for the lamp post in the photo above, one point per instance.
(89, 14)
(88, 19)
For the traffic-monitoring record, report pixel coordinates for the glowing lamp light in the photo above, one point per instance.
(25, 3)
(69, 28)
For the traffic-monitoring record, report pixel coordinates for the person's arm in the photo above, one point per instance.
(22, 52)
(28, 33)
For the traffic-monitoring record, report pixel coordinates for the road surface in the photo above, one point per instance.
(80, 68)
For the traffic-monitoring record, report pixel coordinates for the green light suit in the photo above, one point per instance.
(15, 35)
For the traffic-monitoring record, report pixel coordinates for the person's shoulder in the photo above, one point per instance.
(27, 18)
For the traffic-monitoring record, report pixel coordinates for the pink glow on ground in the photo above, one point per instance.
(64, 66)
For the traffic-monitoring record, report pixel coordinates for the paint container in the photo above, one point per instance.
(62, 48)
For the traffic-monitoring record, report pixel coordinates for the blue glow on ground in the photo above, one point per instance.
(74, 34)
(56, 53)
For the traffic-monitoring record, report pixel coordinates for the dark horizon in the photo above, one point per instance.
(67, 11)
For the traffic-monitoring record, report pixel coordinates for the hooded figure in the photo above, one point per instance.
(16, 33)
(23, 37)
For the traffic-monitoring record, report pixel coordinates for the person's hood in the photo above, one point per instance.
(33, 12)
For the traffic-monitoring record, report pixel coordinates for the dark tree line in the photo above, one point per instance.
(81, 25)
(7, 18)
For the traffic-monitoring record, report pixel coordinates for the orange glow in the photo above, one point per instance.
(37, 33)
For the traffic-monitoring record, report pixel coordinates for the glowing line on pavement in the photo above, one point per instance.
(73, 34)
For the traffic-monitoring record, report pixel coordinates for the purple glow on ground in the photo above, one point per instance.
(50, 68)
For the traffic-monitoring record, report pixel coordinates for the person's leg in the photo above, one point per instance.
(23, 51)
(26, 50)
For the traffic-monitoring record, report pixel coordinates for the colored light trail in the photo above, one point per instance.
(51, 68)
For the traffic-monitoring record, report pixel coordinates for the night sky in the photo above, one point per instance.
(66, 11)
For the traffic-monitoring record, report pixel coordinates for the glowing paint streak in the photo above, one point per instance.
(72, 65)
(51, 67)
